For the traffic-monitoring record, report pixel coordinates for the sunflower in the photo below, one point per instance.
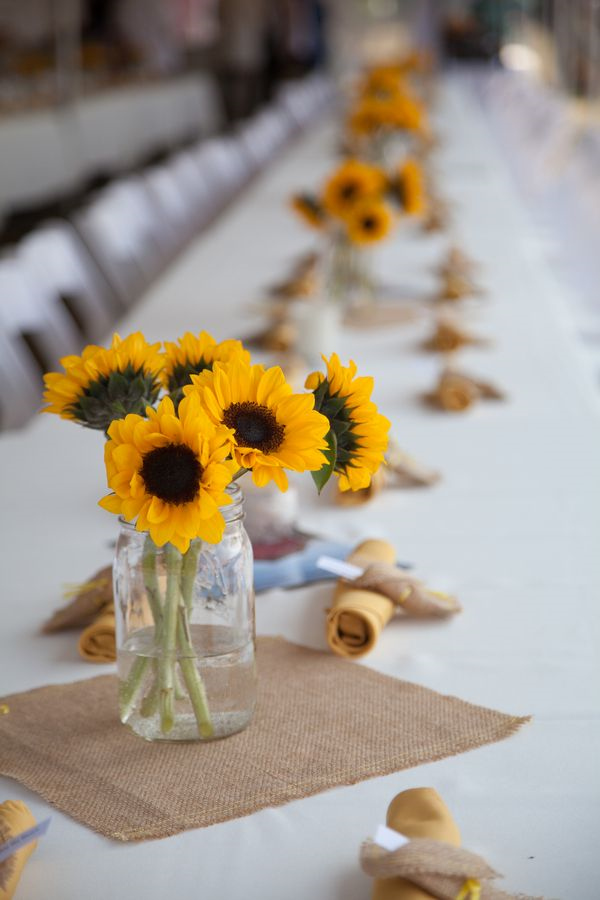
(369, 222)
(383, 82)
(309, 209)
(365, 118)
(409, 188)
(351, 183)
(360, 431)
(105, 384)
(403, 112)
(167, 472)
(191, 355)
(271, 428)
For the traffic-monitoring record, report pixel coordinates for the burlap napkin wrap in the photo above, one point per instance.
(456, 392)
(446, 872)
(405, 591)
(456, 286)
(362, 607)
(88, 600)
(448, 337)
(403, 470)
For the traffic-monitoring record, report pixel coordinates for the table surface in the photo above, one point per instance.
(514, 525)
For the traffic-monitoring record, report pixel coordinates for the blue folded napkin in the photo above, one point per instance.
(298, 568)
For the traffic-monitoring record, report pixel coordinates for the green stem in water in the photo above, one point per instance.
(180, 693)
(187, 661)
(129, 689)
(149, 704)
(188, 573)
(192, 678)
(166, 663)
(151, 582)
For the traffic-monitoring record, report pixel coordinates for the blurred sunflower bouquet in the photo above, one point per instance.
(359, 206)
(385, 112)
(183, 423)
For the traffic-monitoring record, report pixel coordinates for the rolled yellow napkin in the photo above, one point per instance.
(15, 818)
(361, 608)
(97, 641)
(416, 813)
(431, 864)
(357, 616)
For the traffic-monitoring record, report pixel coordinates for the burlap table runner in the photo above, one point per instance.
(320, 722)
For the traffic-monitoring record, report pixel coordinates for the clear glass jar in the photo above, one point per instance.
(185, 633)
(347, 276)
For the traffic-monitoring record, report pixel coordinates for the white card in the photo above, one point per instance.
(389, 839)
(339, 567)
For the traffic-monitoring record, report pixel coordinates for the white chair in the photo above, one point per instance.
(36, 331)
(20, 382)
(264, 134)
(125, 233)
(195, 184)
(225, 164)
(59, 263)
(177, 206)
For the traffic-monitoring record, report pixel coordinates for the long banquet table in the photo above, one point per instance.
(514, 524)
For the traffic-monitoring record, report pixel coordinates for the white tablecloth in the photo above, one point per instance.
(514, 524)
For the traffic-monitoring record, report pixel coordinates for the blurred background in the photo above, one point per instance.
(119, 115)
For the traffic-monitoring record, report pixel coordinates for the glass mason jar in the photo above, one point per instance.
(347, 276)
(185, 633)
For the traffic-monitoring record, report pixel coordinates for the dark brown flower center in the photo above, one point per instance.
(172, 473)
(254, 426)
(349, 190)
(369, 223)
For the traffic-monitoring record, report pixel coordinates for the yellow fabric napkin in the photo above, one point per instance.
(417, 813)
(356, 618)
(97, 641)
(15, 817)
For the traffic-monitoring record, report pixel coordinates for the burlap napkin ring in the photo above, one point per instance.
(456, 286)
(404, 590)
(444, 871)
(457, 263)
(448, 337)
(403, 470)
(302, 280)
(437, 217)
(456, 392)
(400, 471)
(278, 337)
(87, 601)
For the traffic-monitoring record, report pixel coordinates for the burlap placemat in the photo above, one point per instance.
(320, 722)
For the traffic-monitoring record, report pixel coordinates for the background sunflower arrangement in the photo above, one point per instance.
(171, 461)
(357, 186)
(386, 106)
(358, 206)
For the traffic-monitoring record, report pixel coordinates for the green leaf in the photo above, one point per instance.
(319, 394)
(322, 476)
(333, 406)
